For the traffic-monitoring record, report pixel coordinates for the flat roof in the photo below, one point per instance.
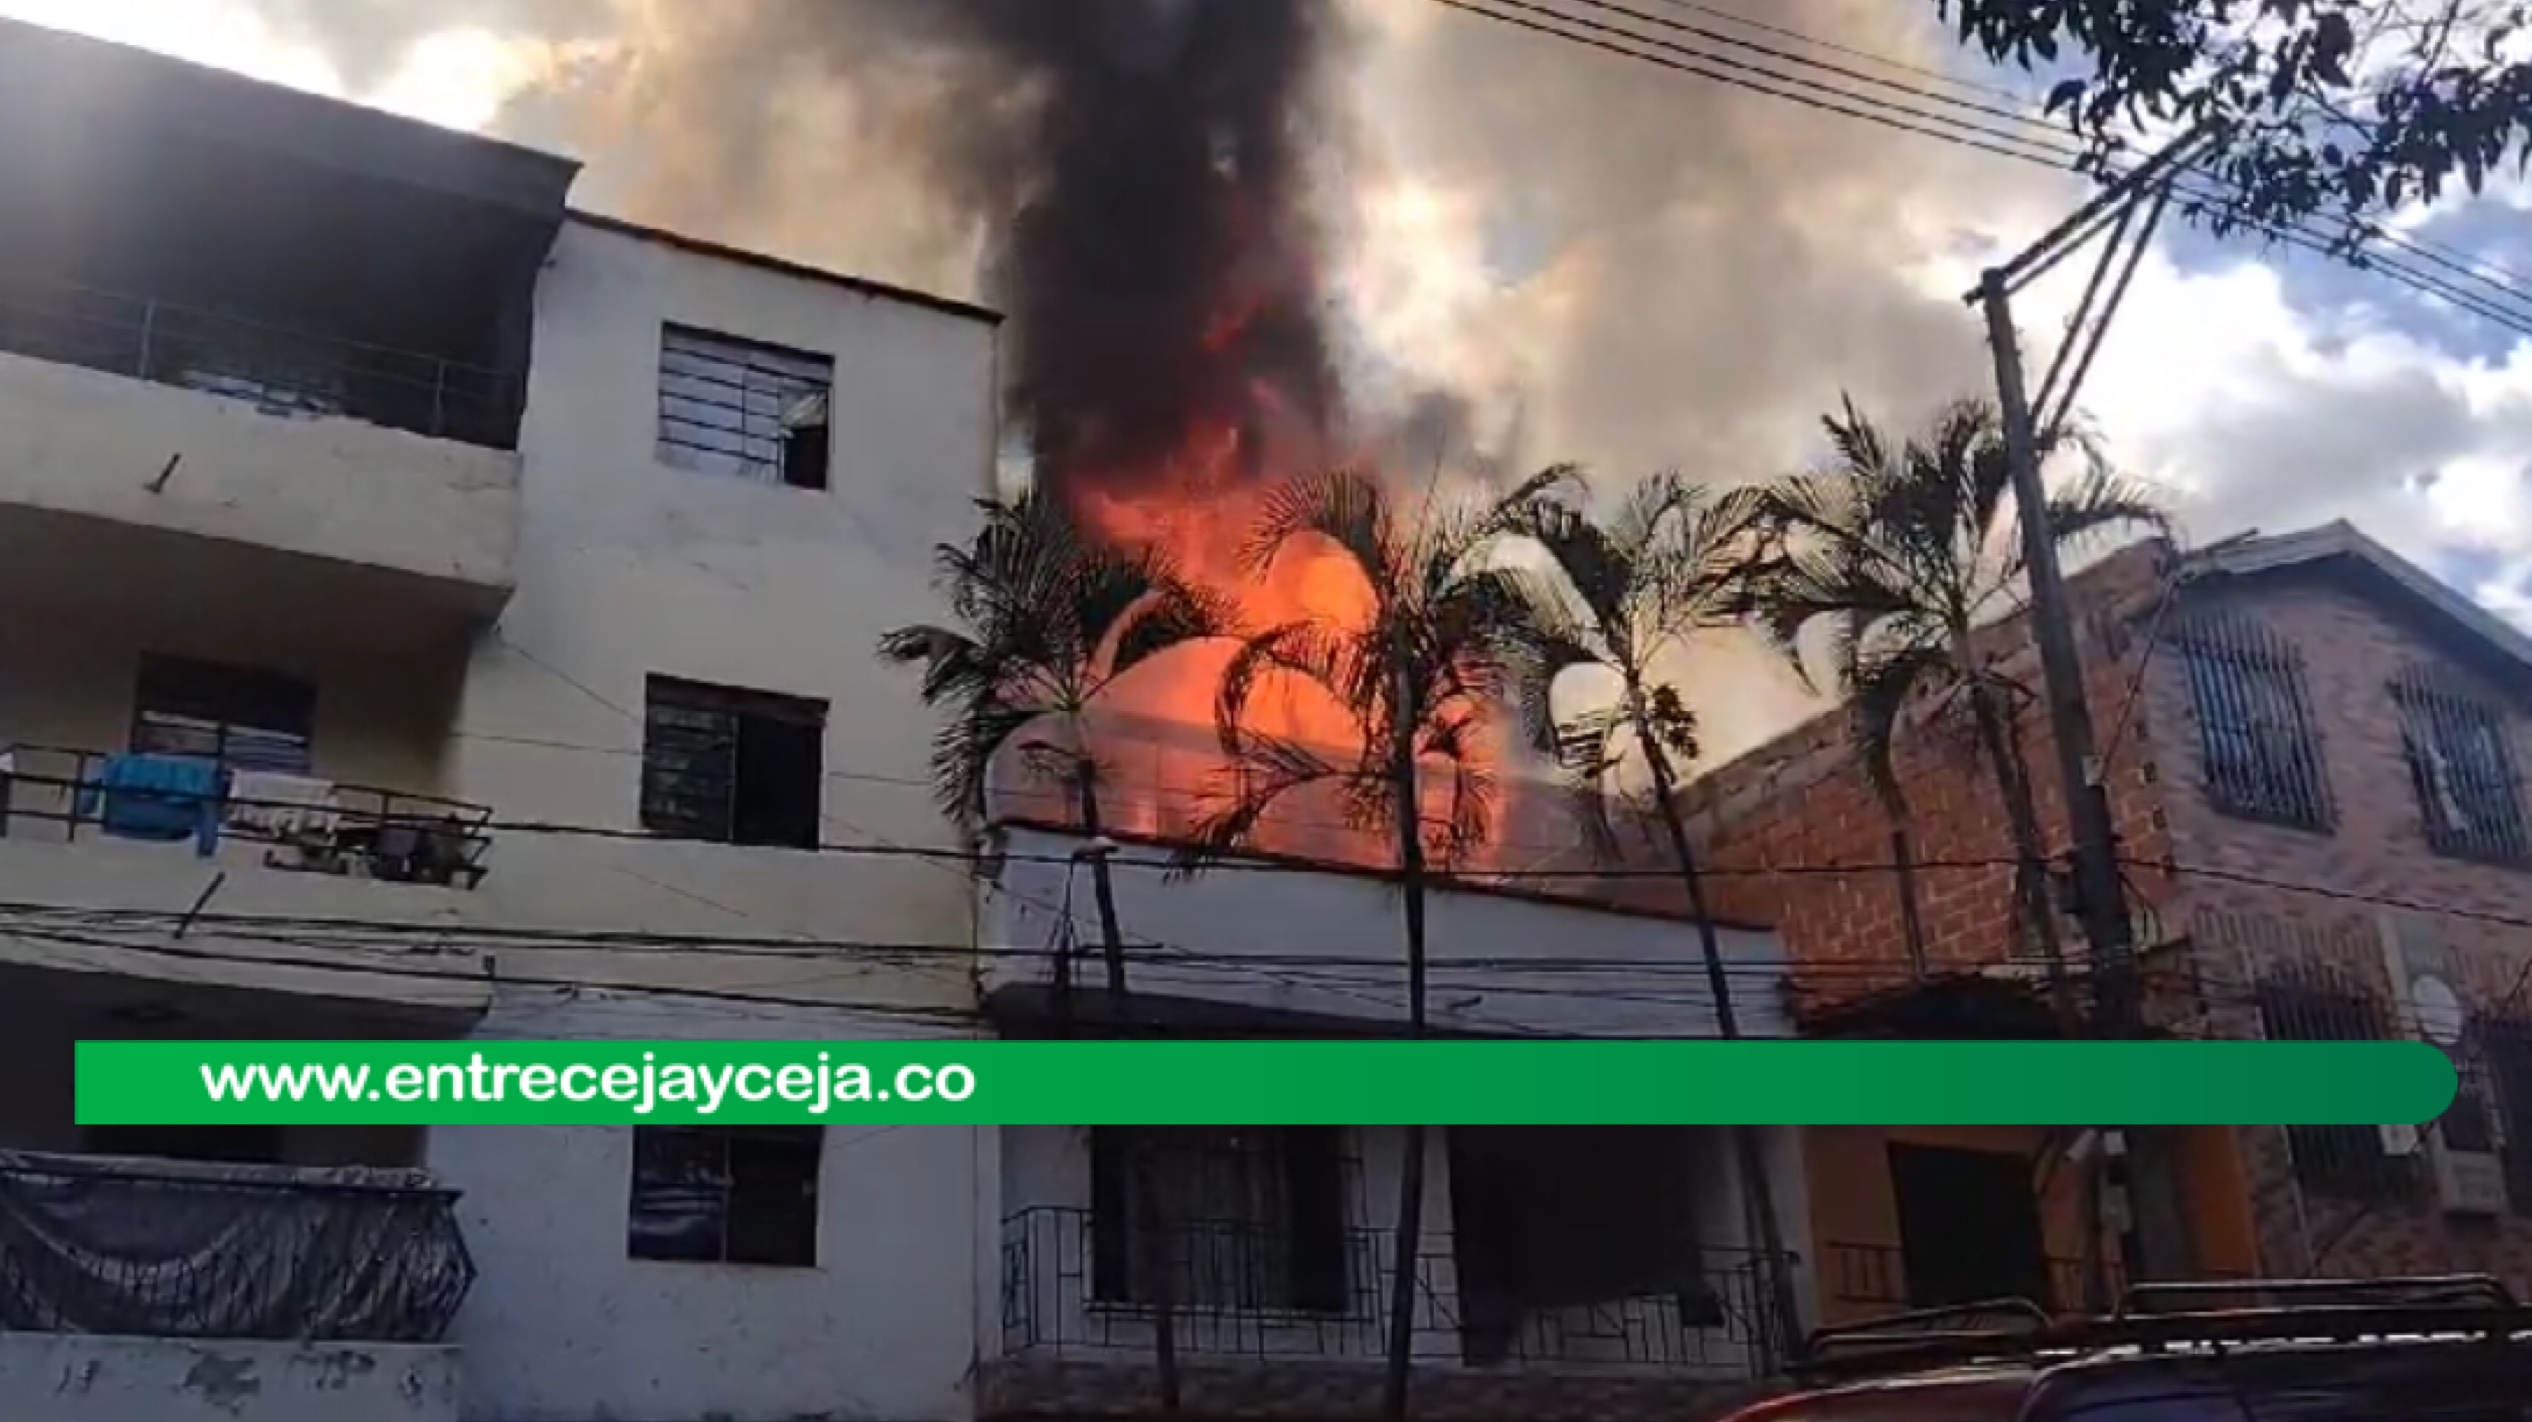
(764, 261)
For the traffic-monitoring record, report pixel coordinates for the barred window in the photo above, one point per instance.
(2346, 1161)
(2507, 1042)
(2256, 731)
(2462, 770)
(245, 718)
(728, 406)
(725, 1195)
(730, 766)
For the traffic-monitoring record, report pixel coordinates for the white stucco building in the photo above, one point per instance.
(517, 573)
(520, 572)
(1562, 1272)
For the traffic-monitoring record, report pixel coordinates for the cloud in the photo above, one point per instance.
(1634, 267)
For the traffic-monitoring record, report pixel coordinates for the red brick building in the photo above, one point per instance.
(2313, 755)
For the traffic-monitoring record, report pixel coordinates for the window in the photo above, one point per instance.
(2256, 735)
(1247, 1218)
(2346, 1161)
(243, 718)
(732, 767)
(2508, 1047)
(728, 406)
(1969, 1226)
(2462, 770)
(725, 1195)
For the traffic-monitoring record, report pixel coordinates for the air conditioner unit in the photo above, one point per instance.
(2470, 1179)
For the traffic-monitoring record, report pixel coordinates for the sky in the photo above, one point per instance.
(1633, 267)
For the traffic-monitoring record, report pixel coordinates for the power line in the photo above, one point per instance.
(2020, 142)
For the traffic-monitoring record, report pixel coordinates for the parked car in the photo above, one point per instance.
(2451, 1349)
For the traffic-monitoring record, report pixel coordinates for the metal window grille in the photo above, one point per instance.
(2507, 1044)
(241, 717)
(2462, 768)
(2256, 731)
(736, 407)
(725, 1194)
(2310, 1004)
(695, 762)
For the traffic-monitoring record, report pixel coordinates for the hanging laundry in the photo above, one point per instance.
(156, 797)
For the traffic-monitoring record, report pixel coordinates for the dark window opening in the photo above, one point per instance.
(241, 717)
(1245, 1218)
(2346, 1161)
(1969, 1226)
(235, 1145)
(2256, 732)
(741, 408)
(725, 1195)
(732, 767)
(2507, 1042)
(2463, 772)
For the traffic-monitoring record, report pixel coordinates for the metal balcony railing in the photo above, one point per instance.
(61, 793)
(1234, 1295)
(180, 1249)
(275, 369)
(1877, 1275)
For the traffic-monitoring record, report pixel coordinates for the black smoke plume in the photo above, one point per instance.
(1157, 262)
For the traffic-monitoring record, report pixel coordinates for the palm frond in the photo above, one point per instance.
(1347, 507)
(1308, 650)
(1045, 617)
(1266, 771)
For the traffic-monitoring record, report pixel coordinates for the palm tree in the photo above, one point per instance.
(1629, 591)
(1414, 682)
(1906, 551)
(1048, 620)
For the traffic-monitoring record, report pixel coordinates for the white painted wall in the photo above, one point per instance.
(563, 1327)
(67, 1377)
(1330, 942)
(86, 442)
(629, 567)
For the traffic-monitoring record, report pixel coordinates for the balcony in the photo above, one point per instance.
(201, 455)
(1069, 1348)
(183, 1290)
(289, 824)
(108, 872)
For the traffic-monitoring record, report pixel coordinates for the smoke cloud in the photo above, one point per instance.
(1566, 253)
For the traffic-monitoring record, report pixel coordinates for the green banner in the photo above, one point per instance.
(1265, 1083)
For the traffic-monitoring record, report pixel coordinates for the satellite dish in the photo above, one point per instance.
(2441, 1017)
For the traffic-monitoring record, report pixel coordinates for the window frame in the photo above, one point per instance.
(668, 701)
(175, 696)
(2260, 753)
(2342, 1162)
(2429, 711)
(723, 407)
(730, 1143)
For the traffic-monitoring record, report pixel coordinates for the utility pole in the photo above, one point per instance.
(2160, 1229)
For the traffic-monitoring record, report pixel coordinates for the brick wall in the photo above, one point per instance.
(1783, 826)
(2246, 897)
(2258, 898)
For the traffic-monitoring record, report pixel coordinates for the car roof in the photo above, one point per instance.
(1999, 1390)
(2008, 1337)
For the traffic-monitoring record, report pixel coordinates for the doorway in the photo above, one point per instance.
(1969, 1226)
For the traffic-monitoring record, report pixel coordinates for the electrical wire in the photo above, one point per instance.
(2027, 140)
